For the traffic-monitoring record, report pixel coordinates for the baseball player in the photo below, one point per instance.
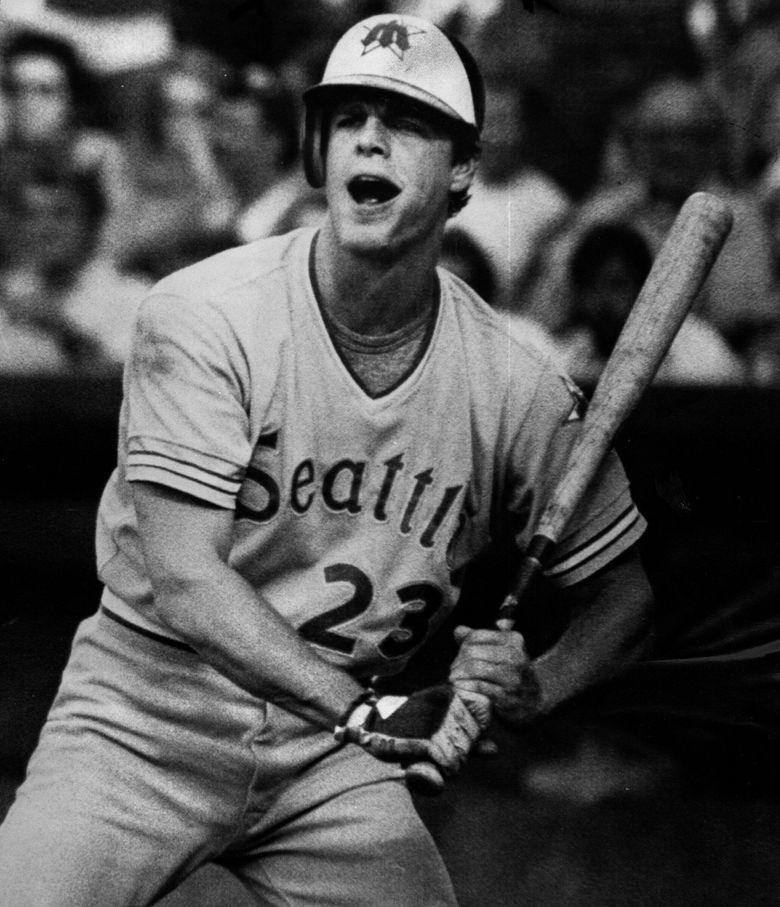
(319, 431)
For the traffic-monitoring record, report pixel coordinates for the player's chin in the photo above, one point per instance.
(374, 237)
(387, 231)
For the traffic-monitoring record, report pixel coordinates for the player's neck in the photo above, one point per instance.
(373, 296)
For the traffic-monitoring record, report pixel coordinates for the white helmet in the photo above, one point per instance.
(405, 55)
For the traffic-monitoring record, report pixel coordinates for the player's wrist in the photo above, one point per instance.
(528, 700)
(363, 712)
(355, 715)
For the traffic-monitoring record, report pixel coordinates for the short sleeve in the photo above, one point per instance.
(185, 391)
(606, 523)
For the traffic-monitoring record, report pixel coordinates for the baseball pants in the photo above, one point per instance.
(151, 763)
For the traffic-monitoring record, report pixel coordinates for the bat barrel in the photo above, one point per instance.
(674, 281)
(677, 276)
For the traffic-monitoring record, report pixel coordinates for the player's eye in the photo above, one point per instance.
(348, 118)
(404, 121)
(410, 124)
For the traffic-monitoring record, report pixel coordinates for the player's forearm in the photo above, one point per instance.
(222, 618)
(610, 629)
(186, 546)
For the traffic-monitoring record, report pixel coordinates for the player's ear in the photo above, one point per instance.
(462, 175)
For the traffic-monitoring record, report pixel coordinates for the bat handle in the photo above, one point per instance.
(424, 778)
(530, 567)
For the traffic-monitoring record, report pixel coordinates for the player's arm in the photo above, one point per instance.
(610, 628)
(197, 594)
(208, 604)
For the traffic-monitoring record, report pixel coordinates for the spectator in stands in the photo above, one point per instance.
(606, 272)
(65, 306)
(121, 42)
(764, 159)
(674, 139)
(741, 76)
(256, 144)
(769, 189)
(763, 155)
(46, 94)
(179, 188)
(764, 359)
(513, 205)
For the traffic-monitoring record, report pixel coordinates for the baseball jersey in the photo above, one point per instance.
(353, 514)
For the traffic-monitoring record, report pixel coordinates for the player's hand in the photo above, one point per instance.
(494, 663)
(437, 724)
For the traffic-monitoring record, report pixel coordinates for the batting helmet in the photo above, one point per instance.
(404, 55)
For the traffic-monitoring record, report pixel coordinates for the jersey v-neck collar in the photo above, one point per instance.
(408, 379)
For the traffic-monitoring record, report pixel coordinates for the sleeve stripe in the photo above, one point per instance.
(155, 460)
(593, 547)
(140, 452)
(147, 473)
(630, 508)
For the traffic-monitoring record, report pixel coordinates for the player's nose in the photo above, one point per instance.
(372, 136)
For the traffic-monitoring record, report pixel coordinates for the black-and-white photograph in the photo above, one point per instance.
(389, 444)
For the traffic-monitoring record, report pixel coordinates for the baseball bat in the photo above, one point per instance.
(678, 273)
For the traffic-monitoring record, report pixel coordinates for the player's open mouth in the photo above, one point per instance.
(372, 190)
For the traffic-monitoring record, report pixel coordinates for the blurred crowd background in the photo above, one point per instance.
(137, 136)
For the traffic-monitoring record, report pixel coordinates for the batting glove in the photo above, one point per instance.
(438, 724)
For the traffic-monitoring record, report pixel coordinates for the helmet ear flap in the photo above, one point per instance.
(313, 150)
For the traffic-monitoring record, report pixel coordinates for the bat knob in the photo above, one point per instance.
(506, 613)
(424, 778)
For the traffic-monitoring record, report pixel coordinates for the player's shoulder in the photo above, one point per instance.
(238, 297)
(227, 273)
(507, 333)
(515, 363)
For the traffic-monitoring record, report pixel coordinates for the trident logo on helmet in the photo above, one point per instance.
(393, 35)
